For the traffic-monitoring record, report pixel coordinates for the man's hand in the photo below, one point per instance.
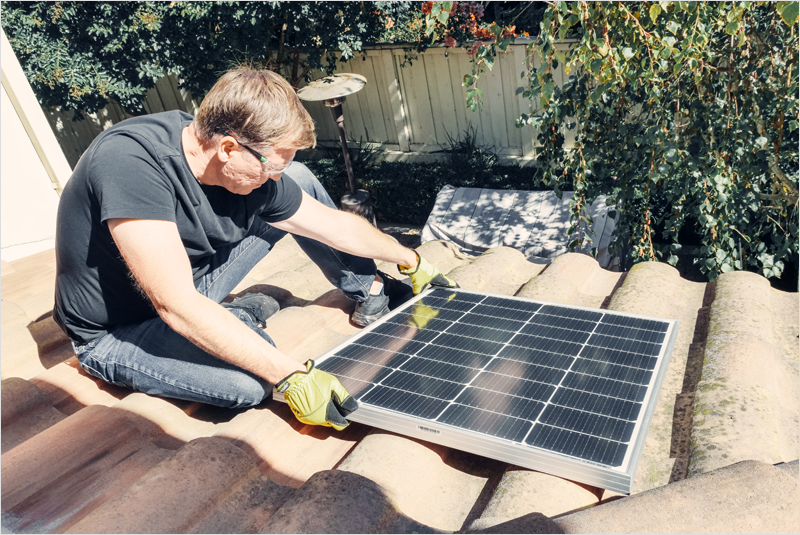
(426, 274)
(317, 398)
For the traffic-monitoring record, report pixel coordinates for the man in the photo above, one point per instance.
(165, 214)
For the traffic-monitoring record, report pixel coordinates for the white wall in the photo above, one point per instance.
(28, 201)
(33, 168)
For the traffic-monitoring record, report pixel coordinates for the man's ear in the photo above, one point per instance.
(225, 149)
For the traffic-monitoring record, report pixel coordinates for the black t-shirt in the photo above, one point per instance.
(137, 169)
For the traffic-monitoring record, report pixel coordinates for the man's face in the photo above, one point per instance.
(244, 173)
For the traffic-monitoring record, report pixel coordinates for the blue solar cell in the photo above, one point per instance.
(490, 423)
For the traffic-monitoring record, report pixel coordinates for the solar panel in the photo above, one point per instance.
(565, 390)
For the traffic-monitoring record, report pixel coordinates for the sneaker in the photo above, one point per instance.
(259, 306)
(373, 308)
(393, 294)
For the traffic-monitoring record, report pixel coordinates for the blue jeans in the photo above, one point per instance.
(154, 359)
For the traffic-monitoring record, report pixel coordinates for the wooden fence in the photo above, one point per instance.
(412, 109)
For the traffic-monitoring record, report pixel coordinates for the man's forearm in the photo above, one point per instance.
(358, 237)
(215, 330)
(345, 232)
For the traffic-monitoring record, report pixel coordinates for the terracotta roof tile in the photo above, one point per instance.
(82, 456)
(66, 471)
(26, 412)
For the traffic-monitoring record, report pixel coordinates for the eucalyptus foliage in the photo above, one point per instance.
(79, 55)
(684, 113)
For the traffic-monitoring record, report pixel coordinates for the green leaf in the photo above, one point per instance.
(655, 11)
(542, 69)
(721, 255)
(671, 155)
(436, 9)
(711, 263)
(443, 16)
(547, 91)
(672, 260)
(732, 27)
(469, 81)
(430, 26)
(670, 41)
(627, 52)
(761, 141)
(727, 268)
(789, 13)
(489, 60)
(673, 27)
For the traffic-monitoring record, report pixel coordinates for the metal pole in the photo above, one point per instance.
(338, 117)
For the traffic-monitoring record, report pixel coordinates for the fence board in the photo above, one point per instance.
(418, 102)
(510, 74)
(473, 119)
(382, 92)
(166, 95)
(523, 60)
(436, 80)
(412, 108)
(495, 106)
(372, 97)
(398, 104)
(355, 127)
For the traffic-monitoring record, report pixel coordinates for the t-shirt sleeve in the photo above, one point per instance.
(284, 200)
(128, 182)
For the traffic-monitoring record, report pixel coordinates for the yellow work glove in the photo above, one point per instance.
(317, 398)
(425, 274)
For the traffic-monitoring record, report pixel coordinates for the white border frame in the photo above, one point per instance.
(618, 479)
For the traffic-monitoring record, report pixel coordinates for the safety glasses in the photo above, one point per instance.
(269, 166)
